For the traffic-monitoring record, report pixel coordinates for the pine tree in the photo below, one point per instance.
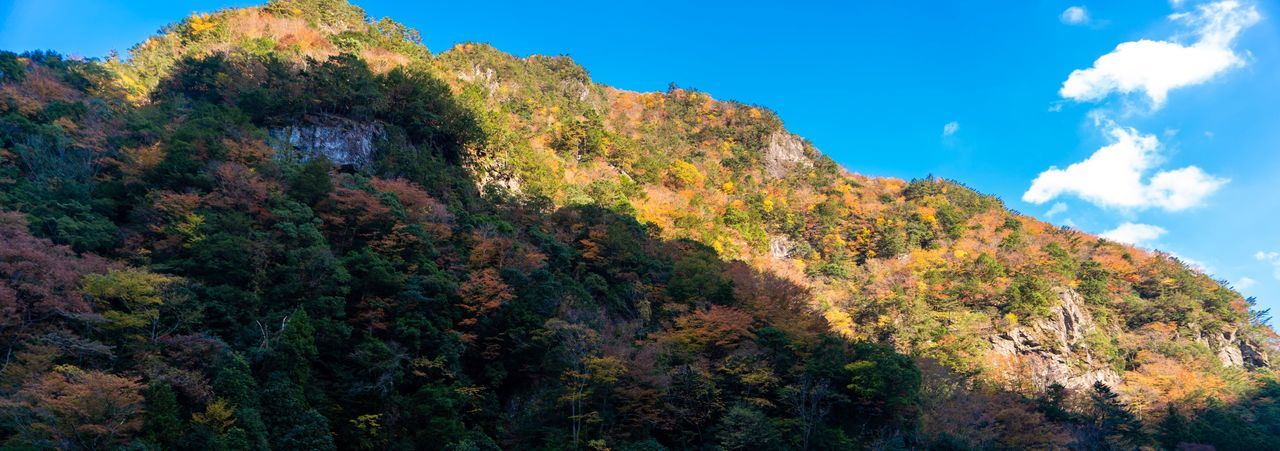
(1173, 429)
(161, 423)
(1116, 421)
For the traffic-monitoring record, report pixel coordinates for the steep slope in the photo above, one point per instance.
(301, 201)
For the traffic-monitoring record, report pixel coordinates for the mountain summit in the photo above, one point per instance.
(294, 227)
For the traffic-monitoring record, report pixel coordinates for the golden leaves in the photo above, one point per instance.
(200, 23)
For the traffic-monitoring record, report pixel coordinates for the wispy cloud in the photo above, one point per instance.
(1134, 234)
(1244, 284)
(1057, 209)
(1271, 258)
(1155, 67)
(950, 128)
(1075, 15)
(1116, 176)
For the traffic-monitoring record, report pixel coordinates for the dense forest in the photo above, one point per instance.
(295, 227)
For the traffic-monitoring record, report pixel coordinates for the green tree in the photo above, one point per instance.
(1115, 420)
(1029, 296)
(161, 422)
(746, 428)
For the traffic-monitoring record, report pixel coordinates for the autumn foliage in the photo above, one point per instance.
(473, 250)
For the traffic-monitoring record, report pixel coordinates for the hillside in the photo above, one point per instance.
(294, 227)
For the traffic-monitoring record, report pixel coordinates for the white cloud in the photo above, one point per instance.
(1057, 209)
(1075, 15)
(1156, 67)
(950, 128)
(1270, 258)
(1134, 234)
(1244, 284)
(1115, 176)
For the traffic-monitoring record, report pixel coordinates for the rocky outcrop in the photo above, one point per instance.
(1252, 356)
(1051, 350)
(1235, 350)
(780, 247)
(342, 141)
(1225, 344)
(784, 153)
(484, 77)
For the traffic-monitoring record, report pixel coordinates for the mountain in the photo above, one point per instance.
(294, 227)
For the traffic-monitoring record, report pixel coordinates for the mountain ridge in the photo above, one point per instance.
(233, 121)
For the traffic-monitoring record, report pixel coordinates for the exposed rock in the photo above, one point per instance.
(484, 77)
(784, 153)
(780, 247)
(1234, 350)
(493, 173)
(1252, 356)
(1229, 351)
(1042, 349)
(342, 141)
(1069, 320)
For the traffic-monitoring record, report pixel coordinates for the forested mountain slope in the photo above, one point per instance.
(292, 227)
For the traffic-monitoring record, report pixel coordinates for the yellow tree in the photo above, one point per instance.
(133, 302)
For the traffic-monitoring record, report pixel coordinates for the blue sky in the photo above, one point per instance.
(1174, 117)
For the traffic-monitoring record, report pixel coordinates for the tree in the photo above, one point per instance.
(39, 282)
(74, 408)
(217, 416)
(699, 276)
(1116, 421)
(295, 349)
(482, 293)
(715, 331)
(746, 428)
(692, 401)
(311, 183)
(292, 423)
(1029, 297)
(588, 375)
(810, 401)
(1173, 429)
(161, 424)
(132, 301)
(885, 381)
(233, 382)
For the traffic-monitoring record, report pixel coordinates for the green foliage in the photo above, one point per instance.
(525, 259)
(745, 428)
(1029, 296)
(698, 277)
(162, 425)
(889, 382)
(10, 68)
(1115, 420)
(311, 183)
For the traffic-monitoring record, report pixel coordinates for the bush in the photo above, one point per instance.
(1029, 297)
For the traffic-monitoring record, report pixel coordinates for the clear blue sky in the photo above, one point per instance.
(874, 84)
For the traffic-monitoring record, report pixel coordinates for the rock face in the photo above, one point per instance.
(1228, 346)
(1236, 351)
(1252, 356)
(780, 247)
(344, 142)
(784, 153)
(1041, 352)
